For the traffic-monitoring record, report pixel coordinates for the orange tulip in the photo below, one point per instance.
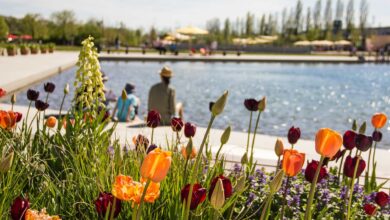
(184, 152)
(328, 142)
(156, 165)
(35, 215)
(51, 122)
(7, 119)
(292, 162)
(379, 120)
(126, 189)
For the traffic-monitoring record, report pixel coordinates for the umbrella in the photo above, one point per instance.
(302, 43)
(343, 43)
(190, 31)
(322, 43)
(26, 37)
(12, 37)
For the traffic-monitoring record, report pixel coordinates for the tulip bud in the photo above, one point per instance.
(377, 136)
(13, 98)
(66, 89)
(189, 148)
(362, 128)
(354, 125)
(225, 136)
(219, 104)
(262, 104)
(244, 159)
(6, 162)
(218, 197)
(240, 186)
(124, 95)
(276, 183)
(279, 148)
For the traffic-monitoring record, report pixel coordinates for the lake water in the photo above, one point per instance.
(309, 96)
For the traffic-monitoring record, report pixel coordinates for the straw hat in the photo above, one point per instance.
(166, 72)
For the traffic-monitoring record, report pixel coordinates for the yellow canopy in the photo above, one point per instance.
(342, 43)
(322, 43)
(302, 43)
(190, 30)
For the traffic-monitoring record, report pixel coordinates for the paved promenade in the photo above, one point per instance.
(19, 71)
(231, 58)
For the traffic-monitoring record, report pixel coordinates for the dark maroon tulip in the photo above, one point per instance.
(377, 136)
(41, 105)
(211, 104)
(104, 203)
(198, 194)
(32, 95)
(151, 148)
(141, 142)
(363, 142)
(293, 135)
(382, 199)
(251, 104)
(349, 139)
(176, 124)
(227, 186)
(349, 166)
(18, 116)
(189, 130)
(338, 155)
(369, 209)
(19, 207)
(49, 87)
(153, 119)
(311, 170)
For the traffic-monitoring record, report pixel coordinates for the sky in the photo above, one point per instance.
(171, 14)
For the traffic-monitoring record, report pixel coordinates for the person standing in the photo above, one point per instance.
(162, 97)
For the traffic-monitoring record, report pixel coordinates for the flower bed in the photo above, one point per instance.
(72, 167)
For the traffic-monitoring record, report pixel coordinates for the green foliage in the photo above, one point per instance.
(3, 28)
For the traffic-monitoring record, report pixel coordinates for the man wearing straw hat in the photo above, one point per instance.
(162, 97)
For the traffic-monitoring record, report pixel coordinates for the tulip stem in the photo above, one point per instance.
(352, 185)
(265, 211)
(113, 209)
(217, 155)
(195, 169)
(254, 138)
(313, 190)
(59, 117)
(151, 138)
(249, 133)
(177, 141)
(284, 197)
(341, 164)
(277, 164)
(373, 155)
(139, 211)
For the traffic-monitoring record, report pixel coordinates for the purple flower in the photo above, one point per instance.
(111, 151)
(250, 198)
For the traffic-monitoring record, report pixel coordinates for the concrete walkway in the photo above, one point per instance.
(18, 72)
(231, 58)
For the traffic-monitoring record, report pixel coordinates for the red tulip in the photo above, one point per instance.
(153, 120)
(382, 199)
(363, 142)
(49, 87)
(176, 124)
(377, 136)
(104, 202)
(311, 170)
(19, 208)
(18, 116)
(227, 186)
(251, 104)
(41, 105)
(370, 209)
(349, 139)
(189, 130)
(198, 194)
(32, 95)
(338, 155)
(349, 166)
(293, 135)
(2, 92)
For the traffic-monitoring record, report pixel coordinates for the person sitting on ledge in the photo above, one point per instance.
(162, 98)
(126, 108)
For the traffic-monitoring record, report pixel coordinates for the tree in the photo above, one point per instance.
(328, 20)
(298, 17)
(349, 18)
(339, 10)
(262, 25)
(363, 21)
(284, 22)
(64, 26)
(227, 31)
(249, 24)
(317, 15)
(35, 26)
(3, 28)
